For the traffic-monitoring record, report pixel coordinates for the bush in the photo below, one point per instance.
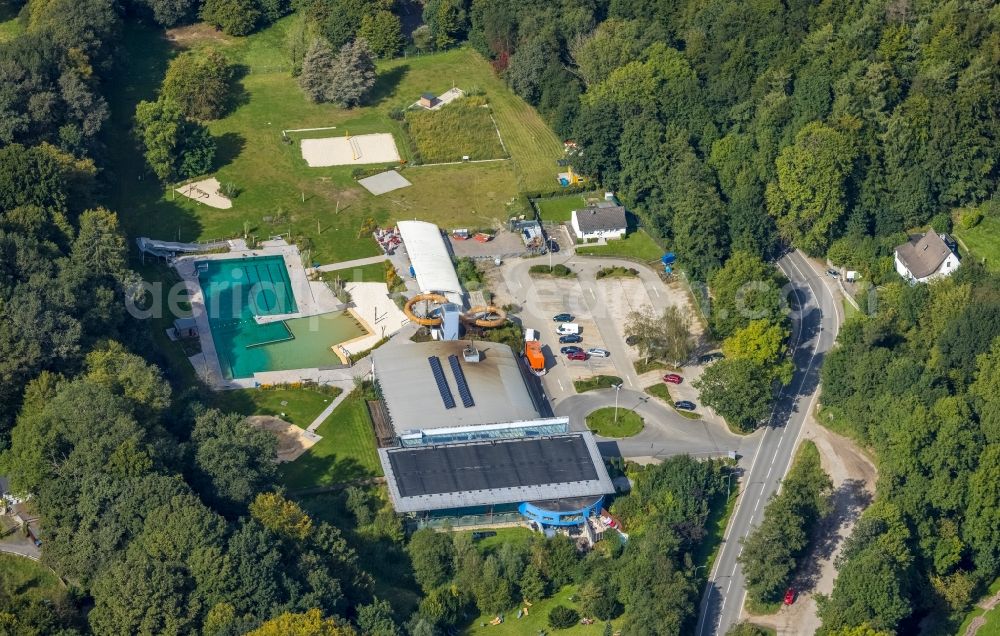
(556, 270)
(562, 617)
(971, 218)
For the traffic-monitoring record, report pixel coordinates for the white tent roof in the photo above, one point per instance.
(429, 257)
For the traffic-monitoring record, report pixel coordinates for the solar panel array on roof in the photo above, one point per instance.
(442, 382)
(431, 470)
(463, 386)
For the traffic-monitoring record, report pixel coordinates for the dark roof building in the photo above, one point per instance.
(926, 256)
(599, 219)
(496, 472)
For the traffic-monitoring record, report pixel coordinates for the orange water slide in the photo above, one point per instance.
(426, 321)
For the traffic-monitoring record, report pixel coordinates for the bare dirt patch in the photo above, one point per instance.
(192, 34)
(292, 440)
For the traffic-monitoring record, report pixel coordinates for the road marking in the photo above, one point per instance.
(656, 291)
(559, 382)
(629, 380)
(812, 358)
(591, 290)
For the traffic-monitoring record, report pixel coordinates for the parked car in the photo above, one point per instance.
(554, 246)
(834, 273)
(562, 318)
(568, 328)
(790, 595)
(710, 357)
(684, 405)
(599, 353)
(569, 350)
(573, 337)
(631, 340)
(673, 378)
(577, 355)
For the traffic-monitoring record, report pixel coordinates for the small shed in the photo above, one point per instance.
(186, 328)
(428, 100)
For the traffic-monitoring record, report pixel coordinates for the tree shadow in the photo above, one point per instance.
(228, 147)
(385, 84)
(237, 94)
(847, 503)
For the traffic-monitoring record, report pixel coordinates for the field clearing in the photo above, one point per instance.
(323, 209)
(460, 129)
(983, 241)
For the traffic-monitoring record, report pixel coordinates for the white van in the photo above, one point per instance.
(568, 328)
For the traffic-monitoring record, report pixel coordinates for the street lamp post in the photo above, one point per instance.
(618, 388)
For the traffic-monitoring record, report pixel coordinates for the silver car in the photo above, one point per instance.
(599, 353)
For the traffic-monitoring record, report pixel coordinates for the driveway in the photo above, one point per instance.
(666, 433)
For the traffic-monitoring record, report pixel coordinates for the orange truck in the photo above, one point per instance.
(533, 352)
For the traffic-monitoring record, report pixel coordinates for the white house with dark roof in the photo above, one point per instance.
(926, 257)
(604, 220)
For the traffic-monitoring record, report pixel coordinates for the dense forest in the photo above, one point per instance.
(731, 128)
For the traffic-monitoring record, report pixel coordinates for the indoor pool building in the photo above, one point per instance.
(470, 442)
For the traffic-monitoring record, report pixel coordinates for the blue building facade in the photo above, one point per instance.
(561, 512)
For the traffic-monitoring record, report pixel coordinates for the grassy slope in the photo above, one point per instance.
(303, 405)
(983, 241)
(272, 175)
(374, 273)
(537, 620)
(637, 245)
(346, 452)
(30, 578)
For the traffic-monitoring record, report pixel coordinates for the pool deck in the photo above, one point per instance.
(371, 305)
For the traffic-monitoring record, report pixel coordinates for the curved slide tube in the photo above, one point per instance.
(480, 315)
(423, 320)
(486, 316)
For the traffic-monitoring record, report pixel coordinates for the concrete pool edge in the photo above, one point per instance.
(206, 363)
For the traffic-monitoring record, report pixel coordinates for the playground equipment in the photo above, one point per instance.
(480, 315)
(570, 178)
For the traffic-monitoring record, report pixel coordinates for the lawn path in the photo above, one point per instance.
(346, 388)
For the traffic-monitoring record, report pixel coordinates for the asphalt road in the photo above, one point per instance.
(816, 315)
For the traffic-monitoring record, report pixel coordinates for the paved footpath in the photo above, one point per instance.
(358, 262)
(346, 386)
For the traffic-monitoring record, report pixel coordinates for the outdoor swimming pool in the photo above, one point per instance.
(236, 290)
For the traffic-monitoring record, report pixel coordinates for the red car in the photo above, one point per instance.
(673, 378)
(790, 596)
(577, 355)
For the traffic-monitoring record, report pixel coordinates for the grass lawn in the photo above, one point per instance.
(983, 242)
(346, 452)
(274, 179)
(24, 576)
(992, 625)
(537, 620)
(603, 422)
(460, 129)
(596, 382)
(303, 405)
(374, 273)
(520, 536)
(849, 310)
(637, 245)
(559, 209)
(662, 391)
